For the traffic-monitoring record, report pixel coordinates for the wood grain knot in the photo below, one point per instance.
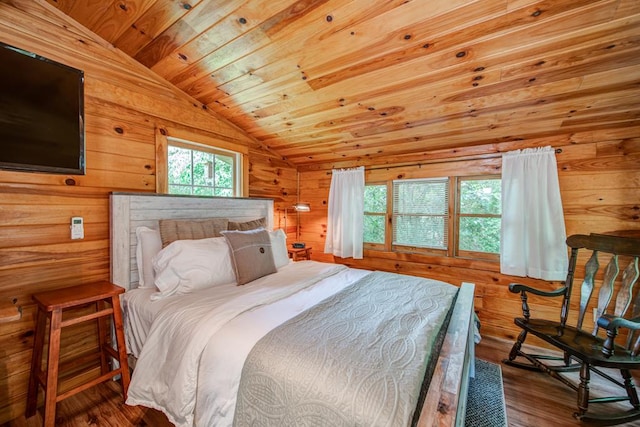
(443, 408)
(70, 181)
(119, 130)
(242, 20)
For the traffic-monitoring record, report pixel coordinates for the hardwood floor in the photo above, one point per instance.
(533, 400)
(98, 406)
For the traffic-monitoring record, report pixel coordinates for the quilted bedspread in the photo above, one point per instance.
(356, 359)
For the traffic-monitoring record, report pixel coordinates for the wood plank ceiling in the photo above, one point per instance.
(357, 81)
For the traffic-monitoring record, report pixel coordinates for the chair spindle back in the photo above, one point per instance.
(616, 293)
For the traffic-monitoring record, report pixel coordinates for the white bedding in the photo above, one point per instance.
(191, 371)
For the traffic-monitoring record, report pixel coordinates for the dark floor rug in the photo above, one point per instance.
(485, 402)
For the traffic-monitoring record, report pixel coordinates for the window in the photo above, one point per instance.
(375, 213)
(201, 170)
(478, 216)
(424, 220)
(420, 213)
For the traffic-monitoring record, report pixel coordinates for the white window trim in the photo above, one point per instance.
(237, 158)
(163, 133)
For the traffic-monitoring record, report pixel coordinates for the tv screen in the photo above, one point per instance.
(41, 114)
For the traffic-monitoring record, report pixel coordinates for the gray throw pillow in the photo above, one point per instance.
(251, 254)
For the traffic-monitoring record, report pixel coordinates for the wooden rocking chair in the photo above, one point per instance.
(617, 311)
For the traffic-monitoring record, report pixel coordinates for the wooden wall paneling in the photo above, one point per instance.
(271, 176)
(599, 172)
(563, 77)
(124, 106)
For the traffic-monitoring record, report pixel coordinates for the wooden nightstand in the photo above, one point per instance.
(105, 298)
(297, 254)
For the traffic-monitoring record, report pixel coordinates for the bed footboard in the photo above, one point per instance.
(446, 399)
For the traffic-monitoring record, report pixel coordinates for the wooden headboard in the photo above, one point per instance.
(132, 210)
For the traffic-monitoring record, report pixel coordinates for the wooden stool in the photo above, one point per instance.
(50, 305)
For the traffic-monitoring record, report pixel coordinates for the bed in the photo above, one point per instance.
(212, 355)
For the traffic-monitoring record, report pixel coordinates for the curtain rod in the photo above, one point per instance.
(461, 159)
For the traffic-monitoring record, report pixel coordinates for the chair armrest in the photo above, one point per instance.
(523, 289)
(611, 324)
(519, 287)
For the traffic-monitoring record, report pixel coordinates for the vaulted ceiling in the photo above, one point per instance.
(321, 81)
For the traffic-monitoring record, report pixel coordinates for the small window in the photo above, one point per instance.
(375, 213)
(479, 216)
(204, 171)
(420, 213)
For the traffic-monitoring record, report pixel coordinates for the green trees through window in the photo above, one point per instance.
(375, 213)
(420, 215)
(203, 173)
(479, 211)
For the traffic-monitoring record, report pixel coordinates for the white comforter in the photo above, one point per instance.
(192, 358)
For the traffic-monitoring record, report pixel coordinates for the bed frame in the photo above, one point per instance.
(445, 402)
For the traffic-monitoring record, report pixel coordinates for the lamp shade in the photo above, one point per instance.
(302, 207)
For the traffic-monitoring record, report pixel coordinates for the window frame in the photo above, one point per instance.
(165, 133)
(387, 219)
(421, 249)
(453, 216)
(459, 253)
(194, 146)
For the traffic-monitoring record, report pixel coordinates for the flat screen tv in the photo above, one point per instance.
(41, 114)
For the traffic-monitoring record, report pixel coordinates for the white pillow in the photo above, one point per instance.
(149, 244)
(279, 248)
(189, 265)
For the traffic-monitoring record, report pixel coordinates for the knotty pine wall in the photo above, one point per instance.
(125, 105)
(599, 175)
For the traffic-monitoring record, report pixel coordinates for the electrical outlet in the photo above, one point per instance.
(77, 227)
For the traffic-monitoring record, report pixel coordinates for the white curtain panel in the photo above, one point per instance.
(533, 231)
(346, 214)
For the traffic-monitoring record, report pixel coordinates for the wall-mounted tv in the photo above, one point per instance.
(41, 114)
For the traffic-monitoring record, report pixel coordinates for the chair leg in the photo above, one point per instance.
(51, 387)
(36, 363)
(583, 390)
(630, 388)
(118, 325)
(102, 342)
(515, 350)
